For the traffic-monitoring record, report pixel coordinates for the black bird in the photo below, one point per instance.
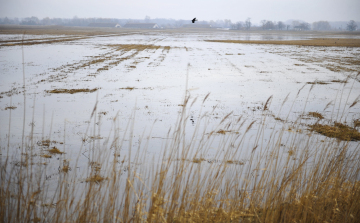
(194, 19)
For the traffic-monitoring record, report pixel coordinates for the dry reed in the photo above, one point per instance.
(311, 182)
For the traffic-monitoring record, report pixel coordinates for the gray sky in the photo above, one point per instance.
(236, 10)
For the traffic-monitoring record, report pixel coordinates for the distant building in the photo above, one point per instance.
(197, 26)
(105, 24)
(141, 25)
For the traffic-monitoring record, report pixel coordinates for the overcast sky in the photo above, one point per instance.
(236, 10)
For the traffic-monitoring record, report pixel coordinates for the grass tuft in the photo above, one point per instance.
(316, 115)
(55, 150)
(95, 179)
(338, 130)
(71, 91)
(46, 156)
(356, 123)
(10, 108)
(317, 82)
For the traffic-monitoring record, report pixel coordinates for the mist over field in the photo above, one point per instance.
(177, 13)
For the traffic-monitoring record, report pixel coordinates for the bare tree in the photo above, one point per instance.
(239, 25)
(227, 23)
(269, 25)
(248, 23)
(30, 21)
(304, 26)
(46, 21)
(321, 25)
(263, 22)
(295, 23)
(351, 26)
(280, 25)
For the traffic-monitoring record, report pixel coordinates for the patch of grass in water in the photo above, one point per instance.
(46, 156)
(71, 91)
(316, 115)
(128, 88)
(196, 160)
(223, 132)
(55, 150)
(95, 179)
(10, 108)
(47, 142)
(66, 168)
(339, 81)
(235, 162)
(356, 123)
(338, 130)
(318, 82)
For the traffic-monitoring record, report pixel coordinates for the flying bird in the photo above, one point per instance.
(194, 19)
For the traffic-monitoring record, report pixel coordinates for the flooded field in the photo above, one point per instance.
(72, 98)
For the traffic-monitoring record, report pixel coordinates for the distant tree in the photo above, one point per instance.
(227, 23)
(46, 21)
(321, 25)
(30, 21)
(6, 20)
(304, 26)
(269, 25)
(147, 18)
(179, 23)
(248, 23)
(263, 22)
(351, 26)
(280, 25)
(220, 23)
(239, 25)
(295, 23)
(57, 21)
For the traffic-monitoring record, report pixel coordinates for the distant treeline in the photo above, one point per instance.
(172, 23)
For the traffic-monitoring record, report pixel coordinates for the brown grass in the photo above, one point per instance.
(310, 42)
(317, 82)
(356, 123)
(316, 115)
(268, 188)
(66, 166)
(338, 130)
(42, 41)
(221, 131)
(95, 179)
(55, 150)
(10, 108)
(198, 160)
(128, 88)
(340, 81)
(71, 91)
(46, 156)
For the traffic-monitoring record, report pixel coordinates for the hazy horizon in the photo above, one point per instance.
(257, 10)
